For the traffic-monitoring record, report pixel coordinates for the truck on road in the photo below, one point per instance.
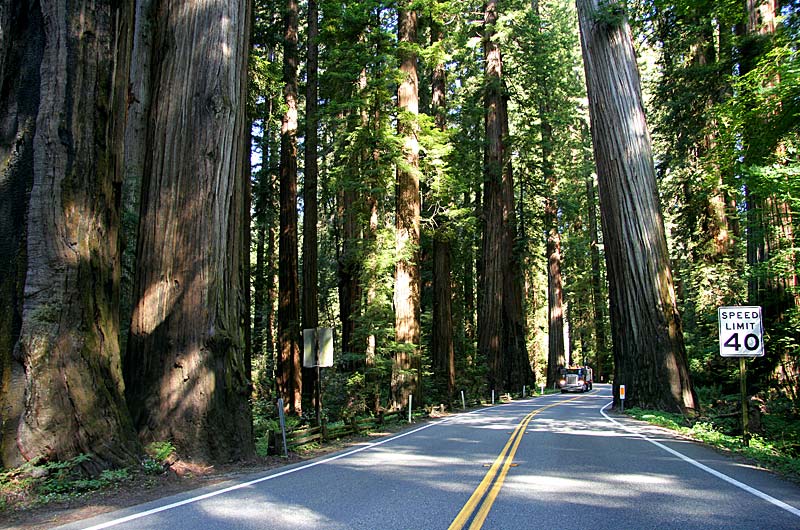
(575, 379)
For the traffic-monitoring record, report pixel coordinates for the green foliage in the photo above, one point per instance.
(776, 445)
(724, 109)
(41, 482)
(266, 423)
(158, 456)
(152, 467)
(160, 451)
(721, 129)
(346, 394)
(262, 445)
(664, 419)
(610, 14)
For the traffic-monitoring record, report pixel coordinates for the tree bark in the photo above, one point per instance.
(470, 271)
(501, 322)
(310, 203)
(493, 251)
(406, 365)
(442, 343)
(259, 286)
(649, 353)
(187, 363)
(348, 272)
(138, 107)
(61, 71)
(443, 351)
(556, 356)
(22, 43)
(289, 364)
(271, 290)
(598, 301)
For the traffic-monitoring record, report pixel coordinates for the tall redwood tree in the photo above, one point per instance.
(649, 353)
(289, 373)
(406, 365)
(188, 352)
(501, 322)
(61, 391)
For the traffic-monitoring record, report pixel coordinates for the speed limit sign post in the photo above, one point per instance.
(741, 334)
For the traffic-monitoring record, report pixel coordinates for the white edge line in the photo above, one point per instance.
(749, 489)
(139, 515)
(166, 507)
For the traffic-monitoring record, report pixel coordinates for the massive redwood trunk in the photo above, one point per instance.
(62, 389)
(406, 365)
(649, 353)
(187, 360)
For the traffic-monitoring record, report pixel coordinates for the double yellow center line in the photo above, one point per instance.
(495, 477)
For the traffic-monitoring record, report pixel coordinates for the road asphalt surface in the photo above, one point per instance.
(554, 461)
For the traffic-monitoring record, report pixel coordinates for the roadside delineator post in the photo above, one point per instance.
(622, 398)
(283, 427)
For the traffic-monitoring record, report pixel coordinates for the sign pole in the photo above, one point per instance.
(283, 427)
(318, 385)
(743, 389)
(741, 334)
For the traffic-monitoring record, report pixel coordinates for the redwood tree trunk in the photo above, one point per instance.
(649, 353)
(348, 267)
(310, 251)
(443, 353)
(187, 362)
(21, 37)
(598, 302)
(493, 251)
(468, 243)
(501, 322)
(289, 363)
(443, 348)
(62, 391)
(406, 365)
(556, 352)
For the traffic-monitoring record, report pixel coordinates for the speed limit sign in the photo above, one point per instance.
(740, 331)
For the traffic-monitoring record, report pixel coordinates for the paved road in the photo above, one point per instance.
(557, 461)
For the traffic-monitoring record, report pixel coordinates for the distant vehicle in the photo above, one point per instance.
(575, 379)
